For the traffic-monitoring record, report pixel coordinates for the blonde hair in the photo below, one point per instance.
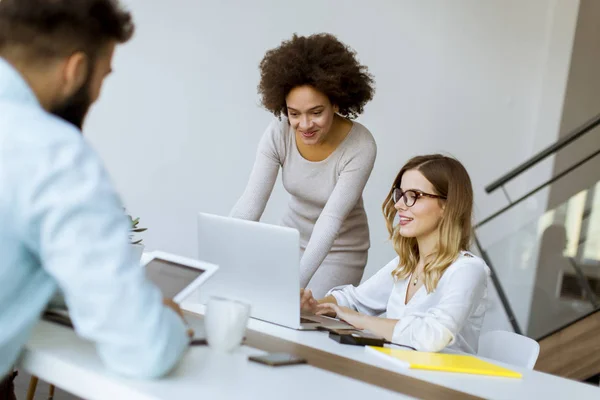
(450, 179)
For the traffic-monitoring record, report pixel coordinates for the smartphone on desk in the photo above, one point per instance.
(356, 337)
(278, 359)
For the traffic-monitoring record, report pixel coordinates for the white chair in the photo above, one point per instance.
(509, 347)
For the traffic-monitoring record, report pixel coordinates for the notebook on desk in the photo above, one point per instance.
(460, 363)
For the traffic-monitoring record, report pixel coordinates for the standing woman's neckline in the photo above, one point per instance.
(323, 152)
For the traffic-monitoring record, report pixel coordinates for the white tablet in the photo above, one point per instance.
(177, 277)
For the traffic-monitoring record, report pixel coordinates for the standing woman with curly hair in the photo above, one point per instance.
(316, 86)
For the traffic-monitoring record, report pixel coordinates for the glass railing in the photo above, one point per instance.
(548, 266)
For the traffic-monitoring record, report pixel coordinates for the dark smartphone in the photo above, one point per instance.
(356, 338)
(199, 342)
(277, 359)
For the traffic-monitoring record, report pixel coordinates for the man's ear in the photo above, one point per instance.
(75, 73)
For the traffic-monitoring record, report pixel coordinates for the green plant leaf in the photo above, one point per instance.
(133, 227)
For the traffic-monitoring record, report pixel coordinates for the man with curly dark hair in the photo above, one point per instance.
(316, 86)
(61, 221)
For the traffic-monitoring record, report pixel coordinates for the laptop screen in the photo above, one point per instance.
(170, 277)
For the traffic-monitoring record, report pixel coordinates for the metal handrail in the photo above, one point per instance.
(537, 189)
(562, 142)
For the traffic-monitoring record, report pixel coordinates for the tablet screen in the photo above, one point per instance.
(170, 277)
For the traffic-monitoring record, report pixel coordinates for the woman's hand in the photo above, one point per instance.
(308, 304)
(352, 317)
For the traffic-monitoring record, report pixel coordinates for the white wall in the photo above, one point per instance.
(582, 102)
(512, 241)
(549, 83)
(179, 121)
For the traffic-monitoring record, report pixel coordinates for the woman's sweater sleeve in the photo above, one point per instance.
(263, 176)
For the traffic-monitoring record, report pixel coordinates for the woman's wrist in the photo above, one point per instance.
(368, 322)
(383, 327)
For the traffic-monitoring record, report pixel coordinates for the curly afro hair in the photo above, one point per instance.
(320, 61)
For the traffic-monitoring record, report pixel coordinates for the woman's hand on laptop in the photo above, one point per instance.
(308, 304)
(175, 307)
(346, 314)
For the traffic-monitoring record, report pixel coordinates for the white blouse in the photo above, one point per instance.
(449, 317)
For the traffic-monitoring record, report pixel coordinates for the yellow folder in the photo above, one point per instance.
(465, 364)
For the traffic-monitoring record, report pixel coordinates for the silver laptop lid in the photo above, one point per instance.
(258, 264)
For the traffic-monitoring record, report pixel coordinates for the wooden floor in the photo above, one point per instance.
(22, 384)
(573, 352)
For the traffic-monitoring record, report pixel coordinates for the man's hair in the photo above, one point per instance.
(56, 28)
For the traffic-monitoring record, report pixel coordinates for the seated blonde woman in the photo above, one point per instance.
(434, 293)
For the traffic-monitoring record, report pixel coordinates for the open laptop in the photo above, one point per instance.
(258, 264)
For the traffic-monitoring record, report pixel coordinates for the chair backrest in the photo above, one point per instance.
(509, 347)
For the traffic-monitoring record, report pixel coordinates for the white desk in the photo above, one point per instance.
(56, 355)
(533, 385)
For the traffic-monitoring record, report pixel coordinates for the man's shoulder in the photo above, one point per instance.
(31, 126)
(35, 143)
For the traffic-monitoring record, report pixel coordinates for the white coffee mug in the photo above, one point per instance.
(225, 323)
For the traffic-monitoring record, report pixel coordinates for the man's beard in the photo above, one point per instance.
(75, 108)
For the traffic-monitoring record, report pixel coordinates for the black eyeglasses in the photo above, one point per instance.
(411, 196)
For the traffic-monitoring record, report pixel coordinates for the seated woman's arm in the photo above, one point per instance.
(370, 297)
(436, 328)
